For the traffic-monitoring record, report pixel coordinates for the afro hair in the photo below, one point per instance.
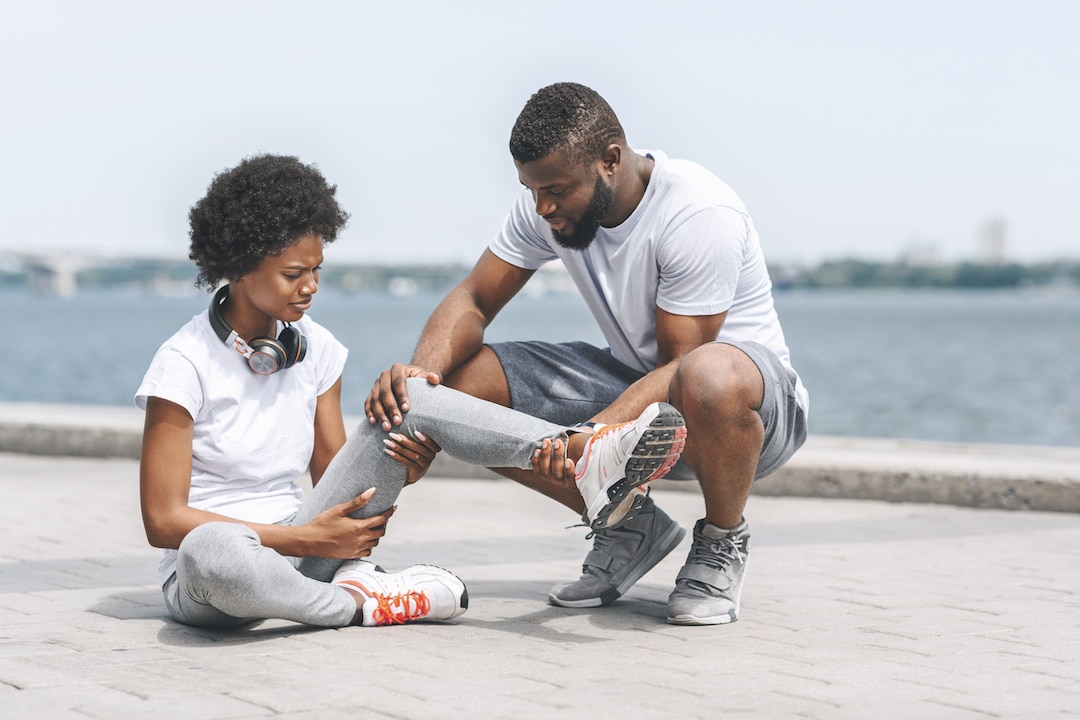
(259, 209)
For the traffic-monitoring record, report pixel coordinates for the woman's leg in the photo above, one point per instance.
(472, 430)
(225, 578)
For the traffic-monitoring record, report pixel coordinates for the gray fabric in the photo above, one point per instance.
(784, 420)
(225, 577)
(567, 383)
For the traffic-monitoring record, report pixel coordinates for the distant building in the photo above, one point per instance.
(921, 253)
(991, 241)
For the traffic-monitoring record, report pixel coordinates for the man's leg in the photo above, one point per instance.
(568, 383)
(719, 391)
(743, 422)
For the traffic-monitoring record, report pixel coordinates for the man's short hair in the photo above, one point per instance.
(567, 117)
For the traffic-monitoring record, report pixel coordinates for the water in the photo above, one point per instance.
(995, 367)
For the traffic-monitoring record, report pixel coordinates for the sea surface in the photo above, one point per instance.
(996, 367)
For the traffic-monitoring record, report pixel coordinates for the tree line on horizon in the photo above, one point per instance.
(843, 273)
(853, 273)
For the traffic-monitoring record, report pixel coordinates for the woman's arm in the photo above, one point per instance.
(329, 431)
(165, 481)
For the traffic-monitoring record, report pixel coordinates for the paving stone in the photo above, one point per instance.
(853, 608)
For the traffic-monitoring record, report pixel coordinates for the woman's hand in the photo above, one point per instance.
(416, 454)
(334, 534)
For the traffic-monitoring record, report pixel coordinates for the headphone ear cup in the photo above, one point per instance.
(267, 356)
(294, 344)
(303, 347)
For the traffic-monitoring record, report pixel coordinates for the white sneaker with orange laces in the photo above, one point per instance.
(618, 458)
(419, 593)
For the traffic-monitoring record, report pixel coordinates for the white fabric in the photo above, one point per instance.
(254, 434)
(689, 248)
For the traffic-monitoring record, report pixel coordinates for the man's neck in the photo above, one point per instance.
(637, 171)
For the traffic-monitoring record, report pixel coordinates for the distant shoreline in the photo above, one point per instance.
(64, 274)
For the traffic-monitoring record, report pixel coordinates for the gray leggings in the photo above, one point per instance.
(225, 577)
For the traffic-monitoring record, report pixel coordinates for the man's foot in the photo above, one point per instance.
(708, 587)
(417, 593)
(620, 457)
(620, 557)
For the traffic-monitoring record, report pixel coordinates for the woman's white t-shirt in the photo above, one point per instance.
(254, 434)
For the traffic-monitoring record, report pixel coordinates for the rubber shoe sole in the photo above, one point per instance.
(656, 452)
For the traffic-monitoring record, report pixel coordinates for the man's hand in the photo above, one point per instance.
(388, 401)
(336, 535)
(550, 463)
(415, 454)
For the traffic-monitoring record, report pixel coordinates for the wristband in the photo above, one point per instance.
(585, 427)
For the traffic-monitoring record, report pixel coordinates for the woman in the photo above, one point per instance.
(246, 397)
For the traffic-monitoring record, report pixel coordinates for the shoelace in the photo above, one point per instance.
(400, 608)
(601, 540)
(717, 554)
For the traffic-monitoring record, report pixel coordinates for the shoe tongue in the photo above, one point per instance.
(713, 532)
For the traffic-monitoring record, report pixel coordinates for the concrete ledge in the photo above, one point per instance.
(1008, 477)
(70, 430)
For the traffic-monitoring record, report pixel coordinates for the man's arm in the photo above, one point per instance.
(676, 335)
(455, 331)
(453, 334)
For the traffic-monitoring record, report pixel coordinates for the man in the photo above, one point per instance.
(670, 265)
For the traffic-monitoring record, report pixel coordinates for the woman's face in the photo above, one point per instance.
(282, 286)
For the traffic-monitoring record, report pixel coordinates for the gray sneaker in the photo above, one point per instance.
(620, 557)
(708, 587)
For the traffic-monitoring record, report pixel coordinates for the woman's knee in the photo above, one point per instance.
(215, 548)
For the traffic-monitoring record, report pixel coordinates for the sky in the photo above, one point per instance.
(849, 128)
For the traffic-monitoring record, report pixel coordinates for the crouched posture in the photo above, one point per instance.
(668, 261)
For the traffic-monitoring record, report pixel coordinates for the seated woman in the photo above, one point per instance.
(246, 397)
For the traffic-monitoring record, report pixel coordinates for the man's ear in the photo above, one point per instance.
(611, 157)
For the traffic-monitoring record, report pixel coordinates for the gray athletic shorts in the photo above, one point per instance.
(567, 383)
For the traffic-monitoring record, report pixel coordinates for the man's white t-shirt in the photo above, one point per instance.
(688, 248)
(254, 434)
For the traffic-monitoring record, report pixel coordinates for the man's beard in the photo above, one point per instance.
(585, 228)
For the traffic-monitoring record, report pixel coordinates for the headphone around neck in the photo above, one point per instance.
(265, 355)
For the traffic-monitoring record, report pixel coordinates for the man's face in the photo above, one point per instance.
(572, 197)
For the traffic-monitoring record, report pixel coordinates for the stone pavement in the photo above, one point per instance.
(853, 609)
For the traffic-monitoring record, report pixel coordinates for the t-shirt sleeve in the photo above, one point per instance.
(172, 377)
(331, 359)
(518, 242)
(700, 262)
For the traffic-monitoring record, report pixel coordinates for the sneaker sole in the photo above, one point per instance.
(657, 552)
(656, 452)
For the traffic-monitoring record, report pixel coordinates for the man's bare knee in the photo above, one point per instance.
(720, 377)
